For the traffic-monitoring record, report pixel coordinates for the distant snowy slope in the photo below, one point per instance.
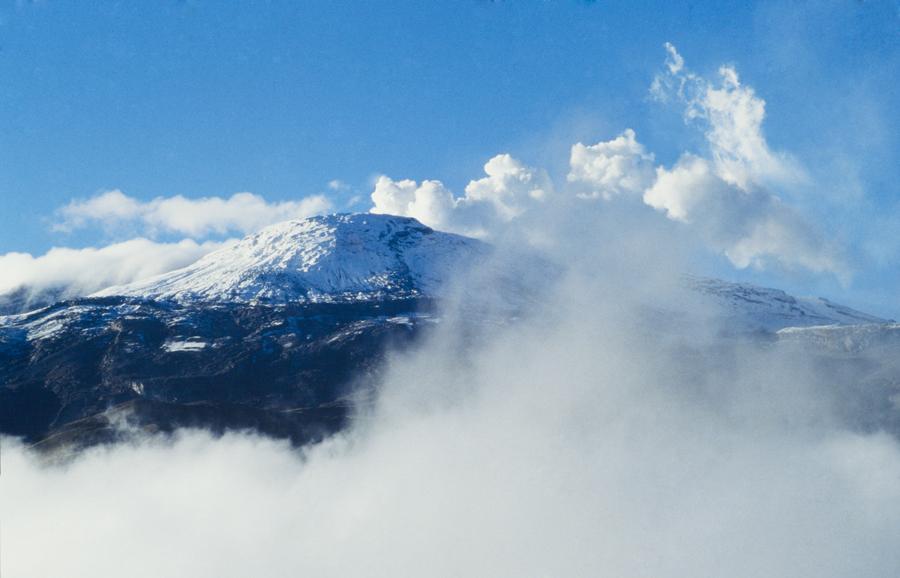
(345, 257)
(848, 339)
(747, 306)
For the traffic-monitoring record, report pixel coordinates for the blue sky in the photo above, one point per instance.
(204, 99)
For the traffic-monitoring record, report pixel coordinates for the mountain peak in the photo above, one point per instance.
(337, 257)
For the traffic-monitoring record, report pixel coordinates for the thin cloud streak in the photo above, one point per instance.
(197, 218)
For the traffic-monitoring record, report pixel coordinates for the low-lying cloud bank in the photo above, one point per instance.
(580, 442)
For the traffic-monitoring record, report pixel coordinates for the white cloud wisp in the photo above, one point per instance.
(732, 115)
(240, 213)
(70, 272)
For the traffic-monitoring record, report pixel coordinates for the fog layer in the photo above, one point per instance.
(609, 431)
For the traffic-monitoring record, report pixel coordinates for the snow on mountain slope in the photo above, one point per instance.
(362, 257)
(748, 307)
(344, 257)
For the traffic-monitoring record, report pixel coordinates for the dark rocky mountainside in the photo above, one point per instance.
(275, 333)
(287, 370)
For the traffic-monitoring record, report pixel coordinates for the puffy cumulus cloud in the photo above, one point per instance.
(608, 169)
(751, 227)
(509, 187)
(733, 115)
(109, 206)
(726, 197)
(748, 224)
(506, 193)
(429, 202)
(70, 272)
(239, 213)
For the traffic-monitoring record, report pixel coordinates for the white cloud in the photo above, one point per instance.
(733, 115)
(429, 202)
(608, 169)
(728, 198)
(687, 188)
(109, 206)
(674, 61)
(751, 227)
(509, 187)
(78, 272)
(239, 213)
(745, 222)
(507, 192)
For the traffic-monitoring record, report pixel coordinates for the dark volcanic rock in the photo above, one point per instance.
(26, 299)
(67, 370)
(126, 421)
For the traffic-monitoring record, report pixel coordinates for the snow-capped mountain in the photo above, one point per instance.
(333, 258)
(275, 332)
(367, 257)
